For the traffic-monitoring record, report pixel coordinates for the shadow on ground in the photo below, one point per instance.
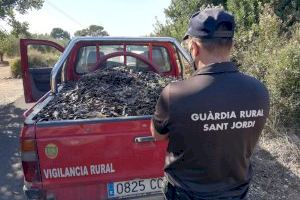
(272, 181)
(11, 180)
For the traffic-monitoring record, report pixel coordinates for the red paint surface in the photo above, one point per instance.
(99, 143)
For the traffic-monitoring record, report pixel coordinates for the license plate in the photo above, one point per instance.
(137, 187)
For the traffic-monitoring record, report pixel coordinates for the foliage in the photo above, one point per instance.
(182, 8)
(59, 33)
(15, 68)
(177, 17)
(287, 10)
(246, 13)
(274, 58)
(92, 30)
(9, 7)
(20, 29)
(62, 42)
(39, 59)
(36, 59)
(9, 45)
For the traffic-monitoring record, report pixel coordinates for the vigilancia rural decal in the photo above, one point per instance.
(76, 171)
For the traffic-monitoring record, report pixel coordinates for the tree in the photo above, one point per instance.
(9, 7)
(59, 33)
(7, 14)
(274, 57)
(178, 14)
(8, 45)
(20, 29)
(2, 45)
(287, 10)
(92, 30)
(246, 13)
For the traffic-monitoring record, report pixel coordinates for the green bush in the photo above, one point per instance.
(38, 59)
(15, 68)
(274, 58)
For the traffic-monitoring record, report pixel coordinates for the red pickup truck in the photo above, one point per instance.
(97, 158)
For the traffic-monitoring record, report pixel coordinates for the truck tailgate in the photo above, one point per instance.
(84, 158)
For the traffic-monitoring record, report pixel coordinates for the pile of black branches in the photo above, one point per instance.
(116, 92)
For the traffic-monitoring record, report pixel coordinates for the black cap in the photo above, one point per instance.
(204, 24)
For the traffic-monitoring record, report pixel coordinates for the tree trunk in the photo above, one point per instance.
(1, 57)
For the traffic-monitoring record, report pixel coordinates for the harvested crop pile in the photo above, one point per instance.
(106, 93)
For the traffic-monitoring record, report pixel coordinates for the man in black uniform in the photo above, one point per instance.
(212, 120)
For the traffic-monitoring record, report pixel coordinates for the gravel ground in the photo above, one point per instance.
(12, 106)
(10, 89)
(276, 166)
(11, 121)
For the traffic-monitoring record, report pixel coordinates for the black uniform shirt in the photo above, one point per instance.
(214, 120)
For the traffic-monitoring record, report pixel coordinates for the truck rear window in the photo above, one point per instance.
(88, 58)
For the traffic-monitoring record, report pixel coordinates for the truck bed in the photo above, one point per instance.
(104, 151)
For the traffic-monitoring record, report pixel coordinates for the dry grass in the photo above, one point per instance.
(4, 68)
(285, 147)
(10, 89)
(276, 164)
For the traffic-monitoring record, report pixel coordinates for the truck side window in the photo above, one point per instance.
(41, 60)
(187, 69)
(42, 56)
(161, 58)
(86, 59)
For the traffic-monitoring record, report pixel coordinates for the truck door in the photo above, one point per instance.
(37, 60)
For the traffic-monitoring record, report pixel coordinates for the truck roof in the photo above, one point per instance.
(116, 39)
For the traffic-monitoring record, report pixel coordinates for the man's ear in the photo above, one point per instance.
(195, 49)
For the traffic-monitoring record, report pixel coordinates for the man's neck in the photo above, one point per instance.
(208, 61)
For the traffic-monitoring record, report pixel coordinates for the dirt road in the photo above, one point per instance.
(10, 89)
(12, 106)
(11, 180)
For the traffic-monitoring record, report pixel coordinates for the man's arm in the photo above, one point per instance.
(156, 134)
(160, 121)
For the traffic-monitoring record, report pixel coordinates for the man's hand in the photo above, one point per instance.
(156, 134)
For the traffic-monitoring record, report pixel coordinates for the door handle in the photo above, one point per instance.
(144, 139)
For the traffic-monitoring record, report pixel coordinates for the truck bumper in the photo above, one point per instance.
(33, 193)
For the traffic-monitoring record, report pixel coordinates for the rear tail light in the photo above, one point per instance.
(30, 171)
(30, 161)
(28, 145)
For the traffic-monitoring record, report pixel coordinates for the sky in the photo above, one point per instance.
(118, 17)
